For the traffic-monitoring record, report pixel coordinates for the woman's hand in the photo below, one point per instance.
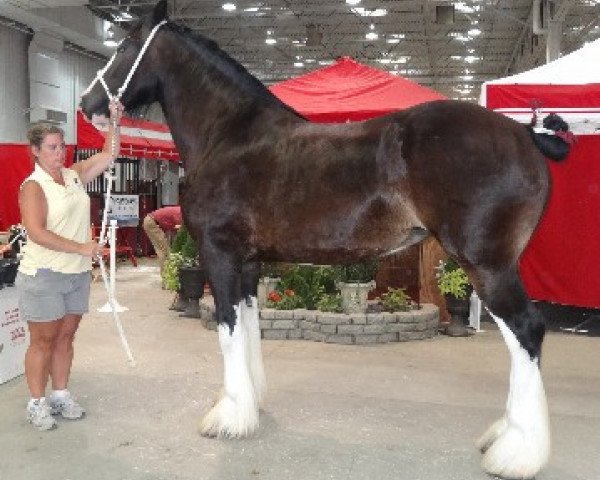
(89, 249)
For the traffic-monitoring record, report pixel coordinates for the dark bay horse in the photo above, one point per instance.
(263, 184)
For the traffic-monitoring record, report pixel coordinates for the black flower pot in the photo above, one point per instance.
(191, 280)
(459, 316)
(458, 307)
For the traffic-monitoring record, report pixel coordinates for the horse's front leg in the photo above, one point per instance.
(235, 413)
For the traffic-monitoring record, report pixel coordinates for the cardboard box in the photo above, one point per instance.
(14, 336)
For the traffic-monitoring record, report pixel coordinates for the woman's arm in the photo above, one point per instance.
(34, 210)
(98, 163)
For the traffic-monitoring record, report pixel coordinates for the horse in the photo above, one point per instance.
(263, 184)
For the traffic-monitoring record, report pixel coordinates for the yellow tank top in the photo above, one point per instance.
(68, 216)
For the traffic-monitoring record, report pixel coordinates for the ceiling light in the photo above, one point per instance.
(368, 12)
(372, 36)
(230, 7)
(352, 2)
(251, 9)
(471, 58)
(393, 40)
(474, 32)
(270, 41)
(467, 77)
(384, 60)
(298, 64)
(109, 42)
(326, 62)
(463, 7)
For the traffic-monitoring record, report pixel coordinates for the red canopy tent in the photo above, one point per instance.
(139, 138)
(558, 265)
(348, 90)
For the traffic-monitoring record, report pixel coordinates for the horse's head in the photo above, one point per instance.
(141, 88)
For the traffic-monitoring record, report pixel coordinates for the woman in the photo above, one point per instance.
(54, 274)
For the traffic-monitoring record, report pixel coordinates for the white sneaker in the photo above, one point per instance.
(38, 414)
(66, 406)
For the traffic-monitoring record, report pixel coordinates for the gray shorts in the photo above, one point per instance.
(49, 295)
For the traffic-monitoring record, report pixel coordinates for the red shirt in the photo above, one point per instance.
(167, 217)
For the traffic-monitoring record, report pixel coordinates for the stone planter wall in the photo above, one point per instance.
(340, 327)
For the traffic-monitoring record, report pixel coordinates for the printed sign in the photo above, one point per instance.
(125, 210)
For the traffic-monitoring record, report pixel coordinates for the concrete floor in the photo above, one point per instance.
(405, 411)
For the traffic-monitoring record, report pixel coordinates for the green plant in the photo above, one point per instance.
(395, 300)
(308, 282)
(452, 279)
(330, 302)
(189, 251)
(361, 272)
(170, 272)
(180, 238)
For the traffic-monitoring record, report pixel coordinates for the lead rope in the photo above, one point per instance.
(110, 175)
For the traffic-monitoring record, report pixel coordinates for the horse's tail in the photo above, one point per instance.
(554, 146)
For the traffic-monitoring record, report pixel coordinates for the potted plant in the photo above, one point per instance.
(355, 281)
(454, 285)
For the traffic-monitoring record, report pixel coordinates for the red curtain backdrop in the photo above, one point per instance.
(560, 262)
(16, 163)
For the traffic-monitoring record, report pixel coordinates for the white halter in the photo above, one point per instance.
(121, 90)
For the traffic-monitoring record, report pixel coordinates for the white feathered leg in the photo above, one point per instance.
(518, 445)
(235, 414)
(255, 360)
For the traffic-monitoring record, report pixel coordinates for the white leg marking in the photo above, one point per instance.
(255, 361)
(518, 445)
(235, 414)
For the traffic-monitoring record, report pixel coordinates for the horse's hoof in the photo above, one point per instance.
(512, 455)
(229, 420)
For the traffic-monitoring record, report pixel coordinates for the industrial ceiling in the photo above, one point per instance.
(450, 46)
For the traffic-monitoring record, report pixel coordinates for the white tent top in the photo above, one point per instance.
(577, 68)
(569, 86)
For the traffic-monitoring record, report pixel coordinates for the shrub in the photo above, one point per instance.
(362, 272)
(452, 279)
(330, 302)
(170, 272)
(395, 300)
(308, 282)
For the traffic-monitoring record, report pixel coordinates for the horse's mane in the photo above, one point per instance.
(229, 66)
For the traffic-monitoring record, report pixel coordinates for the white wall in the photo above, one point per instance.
(14, 85)
(76, 72)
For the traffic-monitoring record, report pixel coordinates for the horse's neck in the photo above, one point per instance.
(199, 112)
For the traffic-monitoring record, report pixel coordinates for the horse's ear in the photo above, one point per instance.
(160, 12)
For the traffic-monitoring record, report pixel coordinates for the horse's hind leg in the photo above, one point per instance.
(516, 446)
(250, 276)
(235, 413)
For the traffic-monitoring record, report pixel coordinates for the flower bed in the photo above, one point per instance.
(341, 328)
